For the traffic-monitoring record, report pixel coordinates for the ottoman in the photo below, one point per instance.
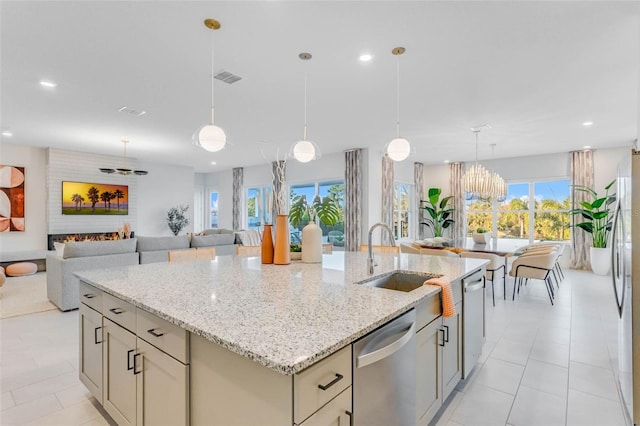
(22, 268)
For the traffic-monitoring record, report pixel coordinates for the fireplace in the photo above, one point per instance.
(91, 236)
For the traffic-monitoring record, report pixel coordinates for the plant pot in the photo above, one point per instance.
(600, 259)
(481, 238)
(312, 243)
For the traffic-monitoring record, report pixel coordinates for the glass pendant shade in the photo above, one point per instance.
(304, 151)
(212, 138)
(399, 149)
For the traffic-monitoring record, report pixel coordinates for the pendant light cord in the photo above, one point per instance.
(476, 132)
(305, 104)
(212, 76)
(398, 96)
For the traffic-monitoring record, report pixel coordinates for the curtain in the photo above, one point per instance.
(581, 174)
(238, 174)
(352, 199)
(278, 180)
(418, 180)
(387, 197)
(459, 228)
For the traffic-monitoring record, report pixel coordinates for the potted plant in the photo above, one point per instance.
(481, 236)
(326, 210)
(598, 221)
(439, 215)
(176, 218)
(296, 251)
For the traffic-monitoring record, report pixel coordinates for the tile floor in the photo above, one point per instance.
(541, 365)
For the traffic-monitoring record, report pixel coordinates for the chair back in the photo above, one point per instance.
(205, 253)
(187, 255)
(495, 261)
(378, 249)
(327, 248)
(534, 265)
(249, 250)
(410, 248)
(438, 252)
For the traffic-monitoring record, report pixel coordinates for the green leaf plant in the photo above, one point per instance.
(598, 218)
(326, 209)
(439, 215)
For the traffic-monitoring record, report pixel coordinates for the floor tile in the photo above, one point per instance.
(483, 406)
(527, 408)
(512, 351)
(45, 387)
(28, 412)
(73, 395)
(546, 377)
(70, 416)
(593, 380)
(21, 379)
(500, 375)
(588, 410)
(550, 352)
(6, 401)
(595, 354)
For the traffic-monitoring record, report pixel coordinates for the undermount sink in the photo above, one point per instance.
(399, 281)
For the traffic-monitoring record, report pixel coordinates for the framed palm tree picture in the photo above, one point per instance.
(82, 198)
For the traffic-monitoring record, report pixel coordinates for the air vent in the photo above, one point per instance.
(132, 111)
(227, 77)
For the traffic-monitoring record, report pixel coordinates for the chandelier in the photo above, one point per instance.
(481, 184)
(124, 170)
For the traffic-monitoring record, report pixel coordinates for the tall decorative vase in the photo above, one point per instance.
(281, 252)
(312, 243)
(600, 259)
(267, 245)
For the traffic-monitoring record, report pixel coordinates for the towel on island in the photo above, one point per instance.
(448, 305)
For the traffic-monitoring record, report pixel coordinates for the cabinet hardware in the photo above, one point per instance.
(446, 339)
(95, 335)
(89, 295)
(116, 311)
(331, 383)
(135, 364)
(154, 333)
(129, 366)
(350, 414)
(441, 331)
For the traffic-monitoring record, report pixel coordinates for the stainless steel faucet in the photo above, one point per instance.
(370, 261)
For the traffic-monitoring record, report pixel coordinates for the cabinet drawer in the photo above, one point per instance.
(121, 312)
(163, 335)
(337, 412)
(332, 373)
(428, 310)
(91, 296)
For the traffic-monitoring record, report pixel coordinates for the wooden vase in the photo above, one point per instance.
(267, 245)
(281, 255)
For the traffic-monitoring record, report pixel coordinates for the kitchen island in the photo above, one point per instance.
(271, 324)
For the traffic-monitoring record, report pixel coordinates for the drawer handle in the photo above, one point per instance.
(89, 295)
(116, 311)
(154, 333)
(446, 339)
(442, 331)
(129, 366)
(331, 383)
(135, 364)
(95, 335)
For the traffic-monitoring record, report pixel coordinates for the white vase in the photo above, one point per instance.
(600, 259)
(481, 238)
(311, 243)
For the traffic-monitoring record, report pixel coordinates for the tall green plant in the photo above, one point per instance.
(326, 209)
(598, 217)
(439, 215)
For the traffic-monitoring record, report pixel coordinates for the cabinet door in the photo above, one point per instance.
(452, 351)
(162, 387)
(119, 396)
(91, 350)
(428, 377)
(337, 412)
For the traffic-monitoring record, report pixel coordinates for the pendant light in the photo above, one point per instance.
(211, 137)
(499, 187)
(399, 148)
(478, 182)
(124, 170)
(305, 150)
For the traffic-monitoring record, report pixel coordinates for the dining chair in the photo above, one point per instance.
(187, 255)
(535, 266)
(205, 253)
(410, 248)
(543, 248)
(249, 250)
(496, 263)
(438, 252)
(327, 248)
(378, 249)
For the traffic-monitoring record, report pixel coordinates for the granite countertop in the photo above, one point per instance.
(285, 317)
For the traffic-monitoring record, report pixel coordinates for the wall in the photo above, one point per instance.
(34, 161)
(606, 166)
(164, 187)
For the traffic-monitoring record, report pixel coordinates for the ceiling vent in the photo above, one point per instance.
(227, 77)
(132, 111)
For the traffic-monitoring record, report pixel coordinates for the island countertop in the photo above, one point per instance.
(285, 317)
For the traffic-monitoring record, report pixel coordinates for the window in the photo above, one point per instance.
(258, 206)
(213, 209)
(402, 202)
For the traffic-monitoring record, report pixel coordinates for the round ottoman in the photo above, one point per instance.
(22, 268)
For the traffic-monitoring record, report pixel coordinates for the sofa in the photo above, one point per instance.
(63, 286)
(156, 249)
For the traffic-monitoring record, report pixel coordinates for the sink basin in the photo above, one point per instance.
(399, 281)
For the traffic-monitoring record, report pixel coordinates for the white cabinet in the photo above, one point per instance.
(119, 352)
(452, 351)
(90, 356)
(336, 413)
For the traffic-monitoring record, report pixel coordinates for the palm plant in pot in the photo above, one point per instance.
(324, 209)
(440, 217)
(598, 221)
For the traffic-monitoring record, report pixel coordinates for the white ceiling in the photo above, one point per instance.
(534, 70)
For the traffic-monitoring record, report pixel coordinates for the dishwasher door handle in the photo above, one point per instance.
(388, 350)
(474, 287)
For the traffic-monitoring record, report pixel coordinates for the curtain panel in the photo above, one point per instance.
(418, 180)
(387, 197)
(238, 175)
(459, 228)
(581, 174)
(278, 180)
(352, 199)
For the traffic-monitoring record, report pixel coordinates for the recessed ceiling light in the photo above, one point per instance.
(213, 163)
(7, 133)
(366, 57)
(447, 161)
(587, 147)
(587, 123)
(47, 83)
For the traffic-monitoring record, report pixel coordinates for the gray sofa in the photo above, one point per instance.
(63, 286)
(156, 249)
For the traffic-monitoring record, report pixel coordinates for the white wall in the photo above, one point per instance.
(606, 166)
(33, 160)
(164, 187)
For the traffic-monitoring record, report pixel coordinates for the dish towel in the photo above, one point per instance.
(448, 305)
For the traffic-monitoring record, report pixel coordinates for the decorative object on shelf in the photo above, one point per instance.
(399, 148)
(124, 170)
(305, 150)
(125, 232)
(478, 182)
(101, 199)
(481, 236)
(211, 137)
(598, 221)
(324, 209)
(281, 253)
(266, 253)
(439, 215)
(12, 197)
(176, 218)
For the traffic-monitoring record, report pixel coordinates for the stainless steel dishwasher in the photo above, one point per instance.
(384, 383)
(473, 314)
